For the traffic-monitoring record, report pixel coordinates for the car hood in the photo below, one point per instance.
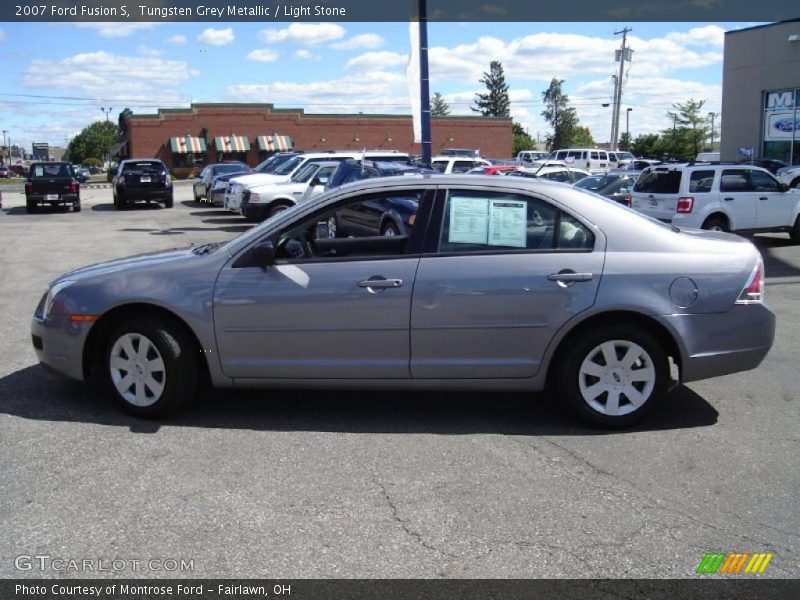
(285, 187)
(139, 261)
(259, 179)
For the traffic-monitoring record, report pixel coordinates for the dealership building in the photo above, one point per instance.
(206, 133)
(761, 93)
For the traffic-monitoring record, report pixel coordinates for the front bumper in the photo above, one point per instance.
(723, 343)
(217, 197)
(59, 343)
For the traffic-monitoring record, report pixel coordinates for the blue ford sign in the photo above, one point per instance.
(786, 125)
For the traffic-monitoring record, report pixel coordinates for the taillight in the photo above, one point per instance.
(753, 291)
(73, 186)
(685, 205)
(28, 187)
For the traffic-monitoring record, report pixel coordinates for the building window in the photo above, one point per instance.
(781, 131)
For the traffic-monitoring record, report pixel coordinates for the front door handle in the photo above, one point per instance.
(764, 198)
(728, 199)
(377, 284)
(569, 276)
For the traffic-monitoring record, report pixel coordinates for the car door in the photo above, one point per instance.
(504, 272)
(738, 198)
(340, 311)
(774, 207)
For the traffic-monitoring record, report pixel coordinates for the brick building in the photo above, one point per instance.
(207, 133)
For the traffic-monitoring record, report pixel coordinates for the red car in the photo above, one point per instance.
(492, 170)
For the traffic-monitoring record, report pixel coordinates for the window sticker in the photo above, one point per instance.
(508, 223)
(469, 220)
(38, 172)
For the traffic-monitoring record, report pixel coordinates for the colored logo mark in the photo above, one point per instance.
(734, 562)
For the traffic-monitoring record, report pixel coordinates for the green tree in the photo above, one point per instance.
(691, 128)
(522, 141)
(439, 106)
(625, 142)
(94, 141)
(582, 138)
(495, 102)
(648, 145)
(559, 115)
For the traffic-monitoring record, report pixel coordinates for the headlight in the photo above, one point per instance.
(54, 290)
(254, 198)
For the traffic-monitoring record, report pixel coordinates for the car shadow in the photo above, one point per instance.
(212, 213)
(35, 393)
(774, 264)
(41, 210)
(137, 206)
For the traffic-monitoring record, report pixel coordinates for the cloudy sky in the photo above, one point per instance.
(56, 77)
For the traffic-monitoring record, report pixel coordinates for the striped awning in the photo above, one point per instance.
(187, 144)
(272, 143)
(232, 143)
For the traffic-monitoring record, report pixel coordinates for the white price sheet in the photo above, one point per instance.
(508, 223)
(469, 220)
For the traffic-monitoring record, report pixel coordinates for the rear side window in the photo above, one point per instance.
(701, 182)
(734, 180)
(659, 182)
(462, 166)
(595, 156)
(440, 165)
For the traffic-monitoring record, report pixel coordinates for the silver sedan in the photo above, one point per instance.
(496, 284)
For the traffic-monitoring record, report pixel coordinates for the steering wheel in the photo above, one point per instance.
(297, 247)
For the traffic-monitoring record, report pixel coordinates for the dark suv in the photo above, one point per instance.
(143, 179)
(52, 183)
(355, 170)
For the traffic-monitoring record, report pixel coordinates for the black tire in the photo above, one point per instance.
(76, 206)
(716, 223)
(180, 358)
(794, 232)
(30, 206)
(278, 208)
(390, 228)
(168, 201)
(795, 183)
(586, 349)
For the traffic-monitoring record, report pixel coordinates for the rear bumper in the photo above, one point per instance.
(62, 198)
(134, 193)
(723, 343)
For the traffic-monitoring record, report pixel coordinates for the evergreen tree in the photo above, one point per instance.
(439, 106)
(522, 141)
(559, 115)
(689, 129)
(495, 102)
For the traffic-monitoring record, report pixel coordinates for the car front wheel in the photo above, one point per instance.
(151, 367)
(614, 375)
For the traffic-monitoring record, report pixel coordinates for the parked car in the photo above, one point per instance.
(467, 152)
(790, 176)
(707, 157)
(457, 164)
(525, 157)
(355, 170)
(5, 172)
(52, 183)
(508, 285)
(619, 159)
(493, 170)
(772, 165)
(615, 186)
(202, 183)
(284, 172)
(721, 197)
(264, 201)
(82, 174)
(593, 160)
(639, 164)
(219, 186)
(559, 174)
(18, 170)
(142, 179)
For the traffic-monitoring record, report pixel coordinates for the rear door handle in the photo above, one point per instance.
(728, 199)
(570, 276)
(764, 198)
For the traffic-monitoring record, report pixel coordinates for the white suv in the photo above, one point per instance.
(717, 196)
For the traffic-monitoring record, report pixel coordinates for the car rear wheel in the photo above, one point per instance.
(168, 201)
(614, 375)
(278, 208)
(76, 206)
(794, 232)
(795, 183)
(151, 367)
(716, 223)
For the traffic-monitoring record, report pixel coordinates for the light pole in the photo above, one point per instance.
(106, 111)
(628, 127)
(711, 116)
(5, 131)
(674, 135)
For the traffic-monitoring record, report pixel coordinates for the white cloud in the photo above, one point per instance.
(178, 40)
(216, 37)
(263, 55)
(364, 40)
(304, 33)
(372, 61)
(2, 36)
(710, 35)
(147, 51)
(307, 54)
(116, 29)
(105, 75)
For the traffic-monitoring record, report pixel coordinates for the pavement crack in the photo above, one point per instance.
(404, 525)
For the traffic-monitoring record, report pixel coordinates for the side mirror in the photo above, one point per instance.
(784, 187)
(261, 255)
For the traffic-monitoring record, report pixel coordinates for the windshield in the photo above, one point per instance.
(305, 173)
(273, 162)
(619, 206)
(231, 168)
(289, 166)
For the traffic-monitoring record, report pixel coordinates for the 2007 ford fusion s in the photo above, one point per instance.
(489, 284)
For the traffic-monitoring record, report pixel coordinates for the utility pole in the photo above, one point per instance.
(615, 79)
(424, 80)
(5, 147)
(624, 53)
(555, 124)
(712, 115)
(628, 126)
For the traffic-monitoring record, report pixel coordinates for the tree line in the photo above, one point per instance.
(683, 140)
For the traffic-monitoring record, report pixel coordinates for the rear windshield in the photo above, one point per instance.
(144, 165)
(659, 182)
(54, 170)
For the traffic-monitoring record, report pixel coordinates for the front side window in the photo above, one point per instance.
(477, 221)
(440, 165)
(734, 180)
(462, 166)
(763, 182)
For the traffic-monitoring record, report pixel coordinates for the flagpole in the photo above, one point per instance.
(424, 83)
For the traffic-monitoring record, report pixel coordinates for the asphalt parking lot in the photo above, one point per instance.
(313, 484)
